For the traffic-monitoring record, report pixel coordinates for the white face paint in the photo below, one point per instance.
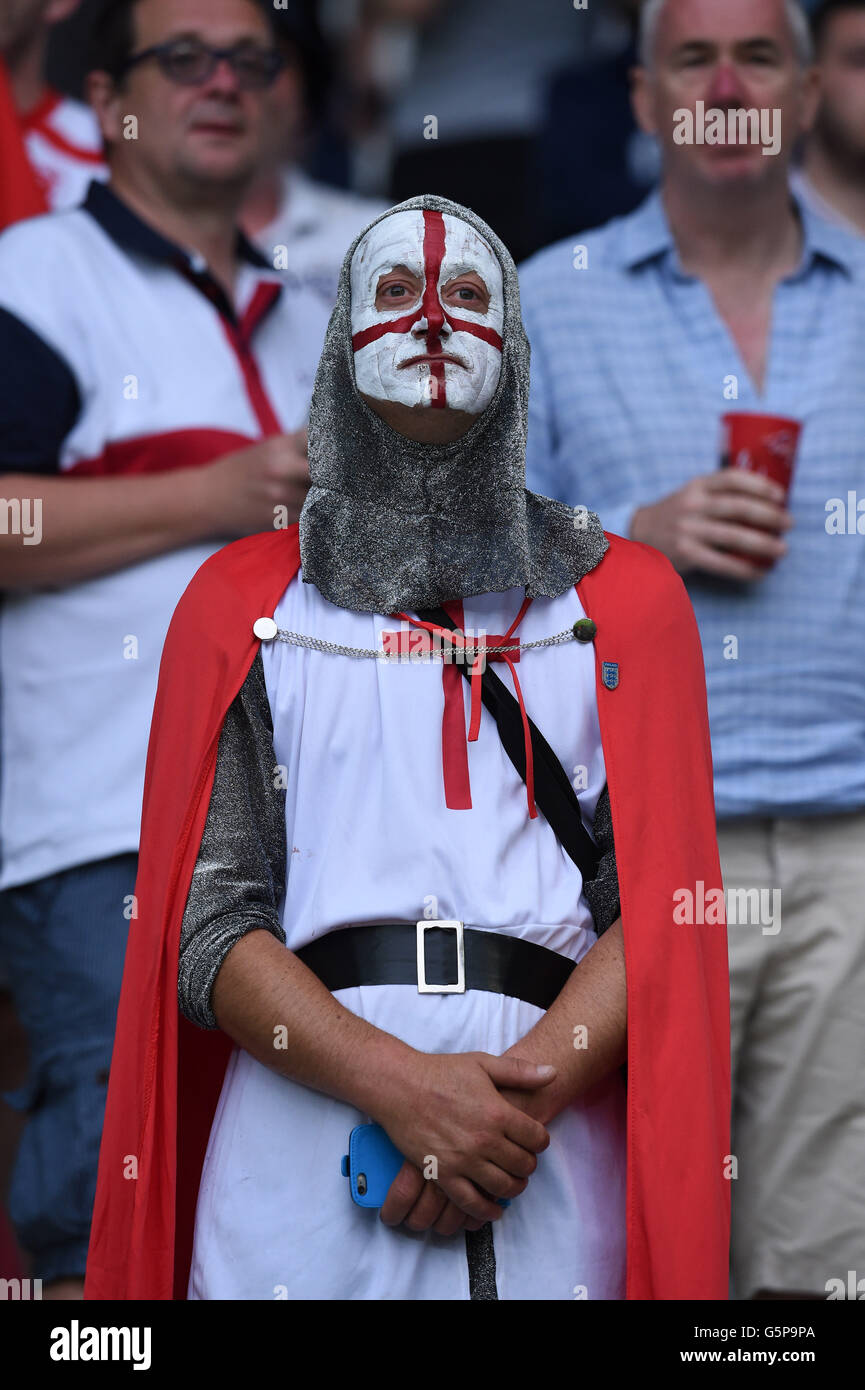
(431, 341)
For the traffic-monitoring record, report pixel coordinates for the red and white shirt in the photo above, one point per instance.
(64, 146)
(120, 354)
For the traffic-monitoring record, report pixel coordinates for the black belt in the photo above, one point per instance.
(437, 957)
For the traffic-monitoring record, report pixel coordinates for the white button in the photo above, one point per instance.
(198, 263)
(265, 628)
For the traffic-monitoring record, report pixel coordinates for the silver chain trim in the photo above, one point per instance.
(318, 644)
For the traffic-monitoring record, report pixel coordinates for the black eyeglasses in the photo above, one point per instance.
(189, 62)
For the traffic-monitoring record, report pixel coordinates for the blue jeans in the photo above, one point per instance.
(63, 940)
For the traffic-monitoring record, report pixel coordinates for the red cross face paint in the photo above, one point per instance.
(427, 309)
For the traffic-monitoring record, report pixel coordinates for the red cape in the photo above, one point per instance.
(166, 1074)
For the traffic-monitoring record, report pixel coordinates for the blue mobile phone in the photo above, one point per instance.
(372, 1163)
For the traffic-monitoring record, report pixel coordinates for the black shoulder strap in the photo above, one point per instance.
(554, 793)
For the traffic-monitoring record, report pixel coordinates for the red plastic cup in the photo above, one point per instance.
(764, 444)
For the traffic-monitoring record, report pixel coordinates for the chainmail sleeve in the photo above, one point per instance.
(239, 876)
(602, 892)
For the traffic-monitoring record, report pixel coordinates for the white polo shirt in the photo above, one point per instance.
(120, 354)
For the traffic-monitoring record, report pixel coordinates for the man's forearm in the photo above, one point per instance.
(91, 526)
(274, 1007)
(583, 1034)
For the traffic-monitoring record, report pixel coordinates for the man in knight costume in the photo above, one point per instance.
(386, 883)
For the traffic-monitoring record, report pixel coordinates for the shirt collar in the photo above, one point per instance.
(823, 240)
(133, 234)
(646, 236)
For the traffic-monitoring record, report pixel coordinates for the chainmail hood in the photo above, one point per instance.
(390, 523)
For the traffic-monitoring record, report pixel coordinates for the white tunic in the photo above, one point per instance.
(370, 838)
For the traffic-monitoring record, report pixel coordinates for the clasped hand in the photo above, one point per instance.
(466, 1113)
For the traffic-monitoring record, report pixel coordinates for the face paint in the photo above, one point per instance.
(426, 350)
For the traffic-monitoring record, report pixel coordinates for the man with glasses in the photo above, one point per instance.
(156, 375)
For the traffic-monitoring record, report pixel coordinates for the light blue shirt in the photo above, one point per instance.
(632, 369)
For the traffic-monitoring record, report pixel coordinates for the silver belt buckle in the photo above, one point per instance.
(423, 987)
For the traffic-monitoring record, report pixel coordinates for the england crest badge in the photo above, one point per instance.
(610, 674)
